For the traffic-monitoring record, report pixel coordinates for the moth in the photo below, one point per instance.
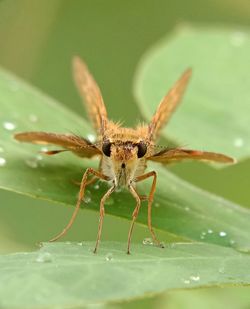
(123, 152)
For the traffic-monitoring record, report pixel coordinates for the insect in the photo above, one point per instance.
(123, 152)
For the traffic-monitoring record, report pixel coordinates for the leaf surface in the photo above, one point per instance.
(70, 275)
(214, 114)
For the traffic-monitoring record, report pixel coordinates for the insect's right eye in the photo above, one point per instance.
(106, 148)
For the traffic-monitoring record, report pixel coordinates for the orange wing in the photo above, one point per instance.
(91, 94)
(171, 155)
(168, 105)
(76, 144)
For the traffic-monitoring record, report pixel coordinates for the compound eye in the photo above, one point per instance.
(106, 148)
(142, 149)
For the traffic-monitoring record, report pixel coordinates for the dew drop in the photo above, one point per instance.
(10, 126)
(187, 208)
(157, 205)
(238, 142)
(222, 234)
(2, 161)
(91, 138)
(87, 197)
(44, 149)
(147, 241)
(33, 118)
(232, 242)
(1, 149)
(67, 242)
(32, 162)
(96, 186)
(195, 278)
(202, 235)
(109, 257)
(186, 281)
(80, 243)
(210, 231)
(44, 257)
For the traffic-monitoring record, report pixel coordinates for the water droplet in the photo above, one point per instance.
(202, 235)
(87, 197)
(2, 161)
(32, 162)
(91, 138)
(109, 257)
(186, 281)
(10, 126)
(238, 142)
(222, 234)
(187, 208)
(232, 242)
(1, 149)
(157, 205)
(195, 278)
(96, 186)
(238, 38)
(67, 242)
(147, 241)
(210, 231)
(80, 243)
(44, 257)
(44, 149)
(33, 118)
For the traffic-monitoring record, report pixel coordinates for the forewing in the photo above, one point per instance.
(74, 143)
(168, 105)
(172, 155)
(91, 95)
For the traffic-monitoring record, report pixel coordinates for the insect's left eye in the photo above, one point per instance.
(142, 149)
(106, 148)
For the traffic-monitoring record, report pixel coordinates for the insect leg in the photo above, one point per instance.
(150, 201)
(102, 212)
(134, 215)
(91, 181)
(80, 197)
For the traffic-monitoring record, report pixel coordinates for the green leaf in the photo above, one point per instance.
(70, 275)
(214, 114)
(178, 208)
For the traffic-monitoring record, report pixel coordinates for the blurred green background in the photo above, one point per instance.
(38, 40)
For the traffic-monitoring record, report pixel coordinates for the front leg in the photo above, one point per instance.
(80, 197)
(150, 201)
(102, 212)
(134, 215)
